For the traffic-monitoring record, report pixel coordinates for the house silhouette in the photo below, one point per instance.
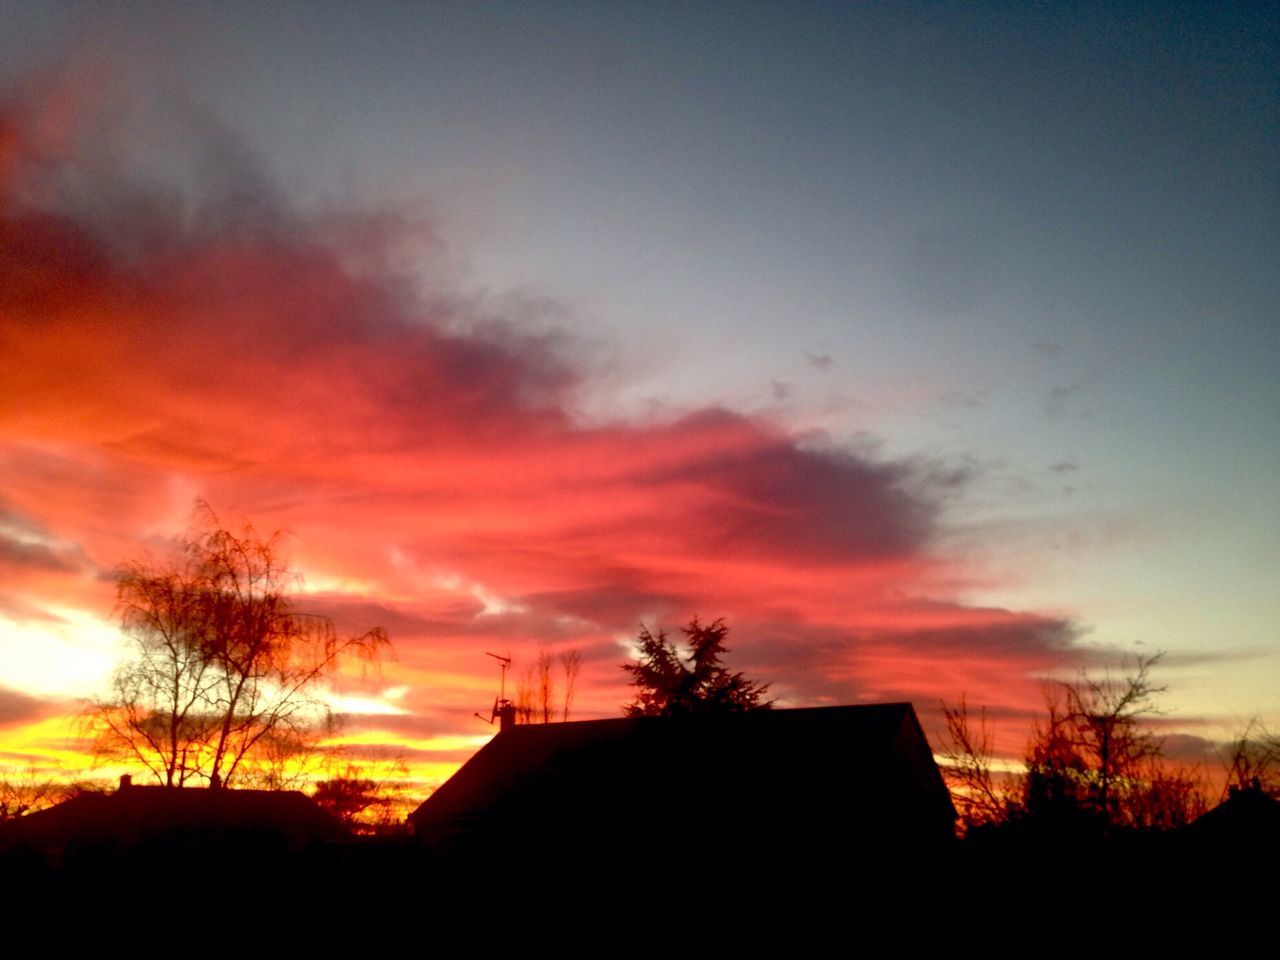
(142, 822)
(847, 781)
(1248, 817)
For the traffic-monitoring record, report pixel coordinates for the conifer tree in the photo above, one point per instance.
(671, 685)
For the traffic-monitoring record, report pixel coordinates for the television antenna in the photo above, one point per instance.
(500, 700)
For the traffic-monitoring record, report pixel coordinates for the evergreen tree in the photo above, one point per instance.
(671, 685)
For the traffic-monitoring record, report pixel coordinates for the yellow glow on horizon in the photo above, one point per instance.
(53, 748)
(441, 744)
(54, 743)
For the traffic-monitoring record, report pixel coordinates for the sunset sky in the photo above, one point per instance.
(935, 346)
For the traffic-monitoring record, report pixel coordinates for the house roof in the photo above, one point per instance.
(1248, 815)
(139, 813)
(821, 770)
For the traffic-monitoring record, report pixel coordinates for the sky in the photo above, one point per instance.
(932, 345)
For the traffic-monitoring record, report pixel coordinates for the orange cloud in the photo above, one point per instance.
(433, 465)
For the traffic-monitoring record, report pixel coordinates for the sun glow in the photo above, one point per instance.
(68, 653)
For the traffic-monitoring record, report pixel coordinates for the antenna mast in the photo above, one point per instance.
(501, 700)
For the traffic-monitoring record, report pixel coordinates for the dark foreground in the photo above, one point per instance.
(692, 887)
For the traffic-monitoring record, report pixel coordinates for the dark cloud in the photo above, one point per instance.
(617, 602)
(357, 614)
(25, 543)
(38, 556)
(1202, 657)
(822, 662)
(999, 638)
(819, 361)
(964, 399)
(413, 725)
(1191, 749)
(18, 707)
(770, 496)
(1062, 400)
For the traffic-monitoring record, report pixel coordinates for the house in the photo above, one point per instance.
(777, 786)
(149, 821)
(1249, 817)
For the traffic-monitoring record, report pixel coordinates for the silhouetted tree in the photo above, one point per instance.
(525, 698)
(286, 758)
(980, 798)
(1054, 789)
(1093, 763)
(1166, 797)
(546, 687)
(535, 699)
(1253, 757)
(160, 712)
(223, 663)
(570, 663)
(27, 792)
(364, 803)
(1106, 724)
(669, 684)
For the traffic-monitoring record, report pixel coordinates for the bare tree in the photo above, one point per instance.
(267, 656)
(287, 758)
(535, 696)
(546, 687)
(1107, 722)
(1253, 759)
(159, 713)
(1093, 762)
(224, 665)
(570, 663)
(1056, 778)
(27, 792)
(1096, 759)
(968, 757)
(363, 801)
(525, 700)
(1164, 796)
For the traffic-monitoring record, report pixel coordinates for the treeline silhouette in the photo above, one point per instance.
(1097, 791)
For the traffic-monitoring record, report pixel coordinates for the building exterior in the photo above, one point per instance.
(784, 784)
(142, 821)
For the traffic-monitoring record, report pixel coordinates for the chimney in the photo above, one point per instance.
(506, 715)
(126, 781)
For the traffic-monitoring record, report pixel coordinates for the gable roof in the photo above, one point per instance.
(836, 772)
(1248, 816)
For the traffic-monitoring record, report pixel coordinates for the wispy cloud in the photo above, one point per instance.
(820, 361)
(427, 457)
(17, 707)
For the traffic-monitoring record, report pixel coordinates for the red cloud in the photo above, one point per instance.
(432, 464)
